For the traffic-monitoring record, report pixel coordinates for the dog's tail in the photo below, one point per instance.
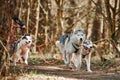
(57, 43)
(60, 46)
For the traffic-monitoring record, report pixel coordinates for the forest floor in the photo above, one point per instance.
(38, 70)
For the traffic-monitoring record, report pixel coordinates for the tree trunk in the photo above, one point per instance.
(114, 17)
(88, 21)
(60, 28)
(109, 18)
(28, 13)
(46, 23)
(118, 31)
(36, 24)
(20, 9)
(96, 30)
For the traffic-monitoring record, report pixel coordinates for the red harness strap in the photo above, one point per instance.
(11, 37)
(42, 55)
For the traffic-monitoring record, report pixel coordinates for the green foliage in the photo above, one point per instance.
(106, 64)
(33, 72)
(114, 37)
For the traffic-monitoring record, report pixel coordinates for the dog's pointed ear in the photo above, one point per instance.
(24, 37)
(90, 39)
(74, 30)
(26, 34)
(80, 28)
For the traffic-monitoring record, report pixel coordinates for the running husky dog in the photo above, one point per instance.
(85, 52)
(70, 44)
(21, 49)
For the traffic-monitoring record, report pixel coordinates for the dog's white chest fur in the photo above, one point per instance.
(24, 49)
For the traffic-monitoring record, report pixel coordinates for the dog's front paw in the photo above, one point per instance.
(89, 70)
(14, 63)
(26, 62)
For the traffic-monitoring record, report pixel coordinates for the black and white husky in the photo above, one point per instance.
(70, 44)
(21, 49)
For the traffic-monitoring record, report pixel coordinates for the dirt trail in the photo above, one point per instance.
(62, 71)
(38, 70)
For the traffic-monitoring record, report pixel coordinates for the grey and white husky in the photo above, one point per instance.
(84, 52)
(70, 44)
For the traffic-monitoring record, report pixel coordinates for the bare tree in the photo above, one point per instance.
(27, 15)
(96, 30)
(36, 23)
(59, 17)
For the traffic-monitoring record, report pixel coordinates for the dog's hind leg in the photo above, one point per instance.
(60, 46)
(16, 56)
(70, 64)
(87, 58)
(15, 59)
(68, 60)
(64, 57)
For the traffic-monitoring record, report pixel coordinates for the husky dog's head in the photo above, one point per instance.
(87, 44)
(80, 35)
(26, 40)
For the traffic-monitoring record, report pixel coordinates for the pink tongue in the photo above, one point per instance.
(89, 50)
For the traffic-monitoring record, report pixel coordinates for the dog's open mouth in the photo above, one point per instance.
(87, 50)
(27, 42)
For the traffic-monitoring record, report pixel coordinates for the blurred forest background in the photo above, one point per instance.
(47, 20)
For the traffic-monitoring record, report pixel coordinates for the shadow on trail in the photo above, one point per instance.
(61, 71)
(40, 68)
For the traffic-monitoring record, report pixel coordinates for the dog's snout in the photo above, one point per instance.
(27, 42)
(80, 39)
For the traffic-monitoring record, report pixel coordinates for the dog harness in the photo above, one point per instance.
(64, 37)
(76, 47)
